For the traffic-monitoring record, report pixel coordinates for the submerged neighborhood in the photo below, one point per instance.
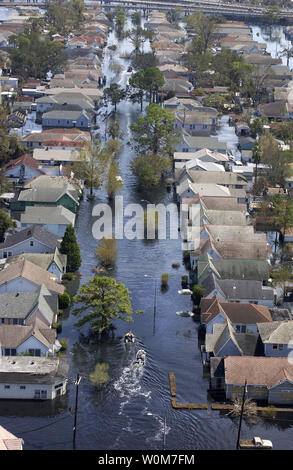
(186, 83)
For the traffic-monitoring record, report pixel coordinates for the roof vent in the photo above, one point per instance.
(32, 363)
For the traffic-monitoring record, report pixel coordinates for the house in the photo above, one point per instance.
(55, 262)
(196, 164)
(274, 110)
(245, 143)
(231, 290)
(226, 178)
(240, 233)
(230, 250)
(37, 378)
(195, 121)
(55, 219)
(54, 119)
(32, 239)
(188, 189)
(23, 308)
(268, 379)
(204, 155)
(8, 441)
(66, 139)
(224, 341)
(34, 340)
(250, 269)
(194, 143)
(242, 128)
(277, 339)
(49, 102)
(49, 196)
(24, 276)
(244, 317)
(22, 168)
(56, 156)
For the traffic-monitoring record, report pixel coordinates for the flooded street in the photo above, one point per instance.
(129, 412)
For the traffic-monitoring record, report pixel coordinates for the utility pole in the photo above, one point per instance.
(78, 379)
(241, 415)
(155, 306)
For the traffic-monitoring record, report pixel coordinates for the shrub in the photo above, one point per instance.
(184, 281)
(106, 251)
(64, 300)
(57, 326)
(164, 279)
(64, 344)
(67, 277)
(197, 293)
(100, 375)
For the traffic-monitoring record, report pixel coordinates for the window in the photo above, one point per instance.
(35, 352)
(6, 387)
(31, 243)
(22, 387)
(281, 347)
(243, 329)
(37, 393)
(5, 254)
(44, 394)
(275, 346)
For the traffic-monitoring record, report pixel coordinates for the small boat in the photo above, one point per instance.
(129, 337)
(185, 314)
(140, 358)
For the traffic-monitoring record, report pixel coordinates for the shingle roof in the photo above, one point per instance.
(267, 371)
(277, 332)
(32, 273)
(40, 370)
(22, 304)
(8, 441)
(38, 233)
(238, 289)
(47, 215)
(43, 260)
(12, 336)
(255, 269)
(237, 313)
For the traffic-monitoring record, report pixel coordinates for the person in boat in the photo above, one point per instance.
(129, 337)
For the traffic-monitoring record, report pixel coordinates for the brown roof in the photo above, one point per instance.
(268, 371)
(12, 336)
(26, 159)
(245, 313)
(32, 273)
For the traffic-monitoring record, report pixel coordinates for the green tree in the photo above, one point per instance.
(114, 130)
(92, 165)
(105, 300)
(153, 80)
(282, 209)
(114, 93)
(276, 160)
(31, 55)
(144, 60)
(203, 28)
(150, 169)
(136, 89)
(197, 293)
(70, 247)
(154, 133)
(138, 36)
(120, 19)
(6, 223)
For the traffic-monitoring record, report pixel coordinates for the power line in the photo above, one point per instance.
(46, 425)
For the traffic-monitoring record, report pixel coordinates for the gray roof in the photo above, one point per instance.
(249, 269)
(43, 260)
(47, 215)
(46, 194)
(276, 332)
(38, 233)
(246, 343)
(204, 142)
(40, 370)
(232, 289)
(74, 115)
(21, 304)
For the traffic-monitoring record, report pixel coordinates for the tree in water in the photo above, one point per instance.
(91, 165)
(104, 300)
